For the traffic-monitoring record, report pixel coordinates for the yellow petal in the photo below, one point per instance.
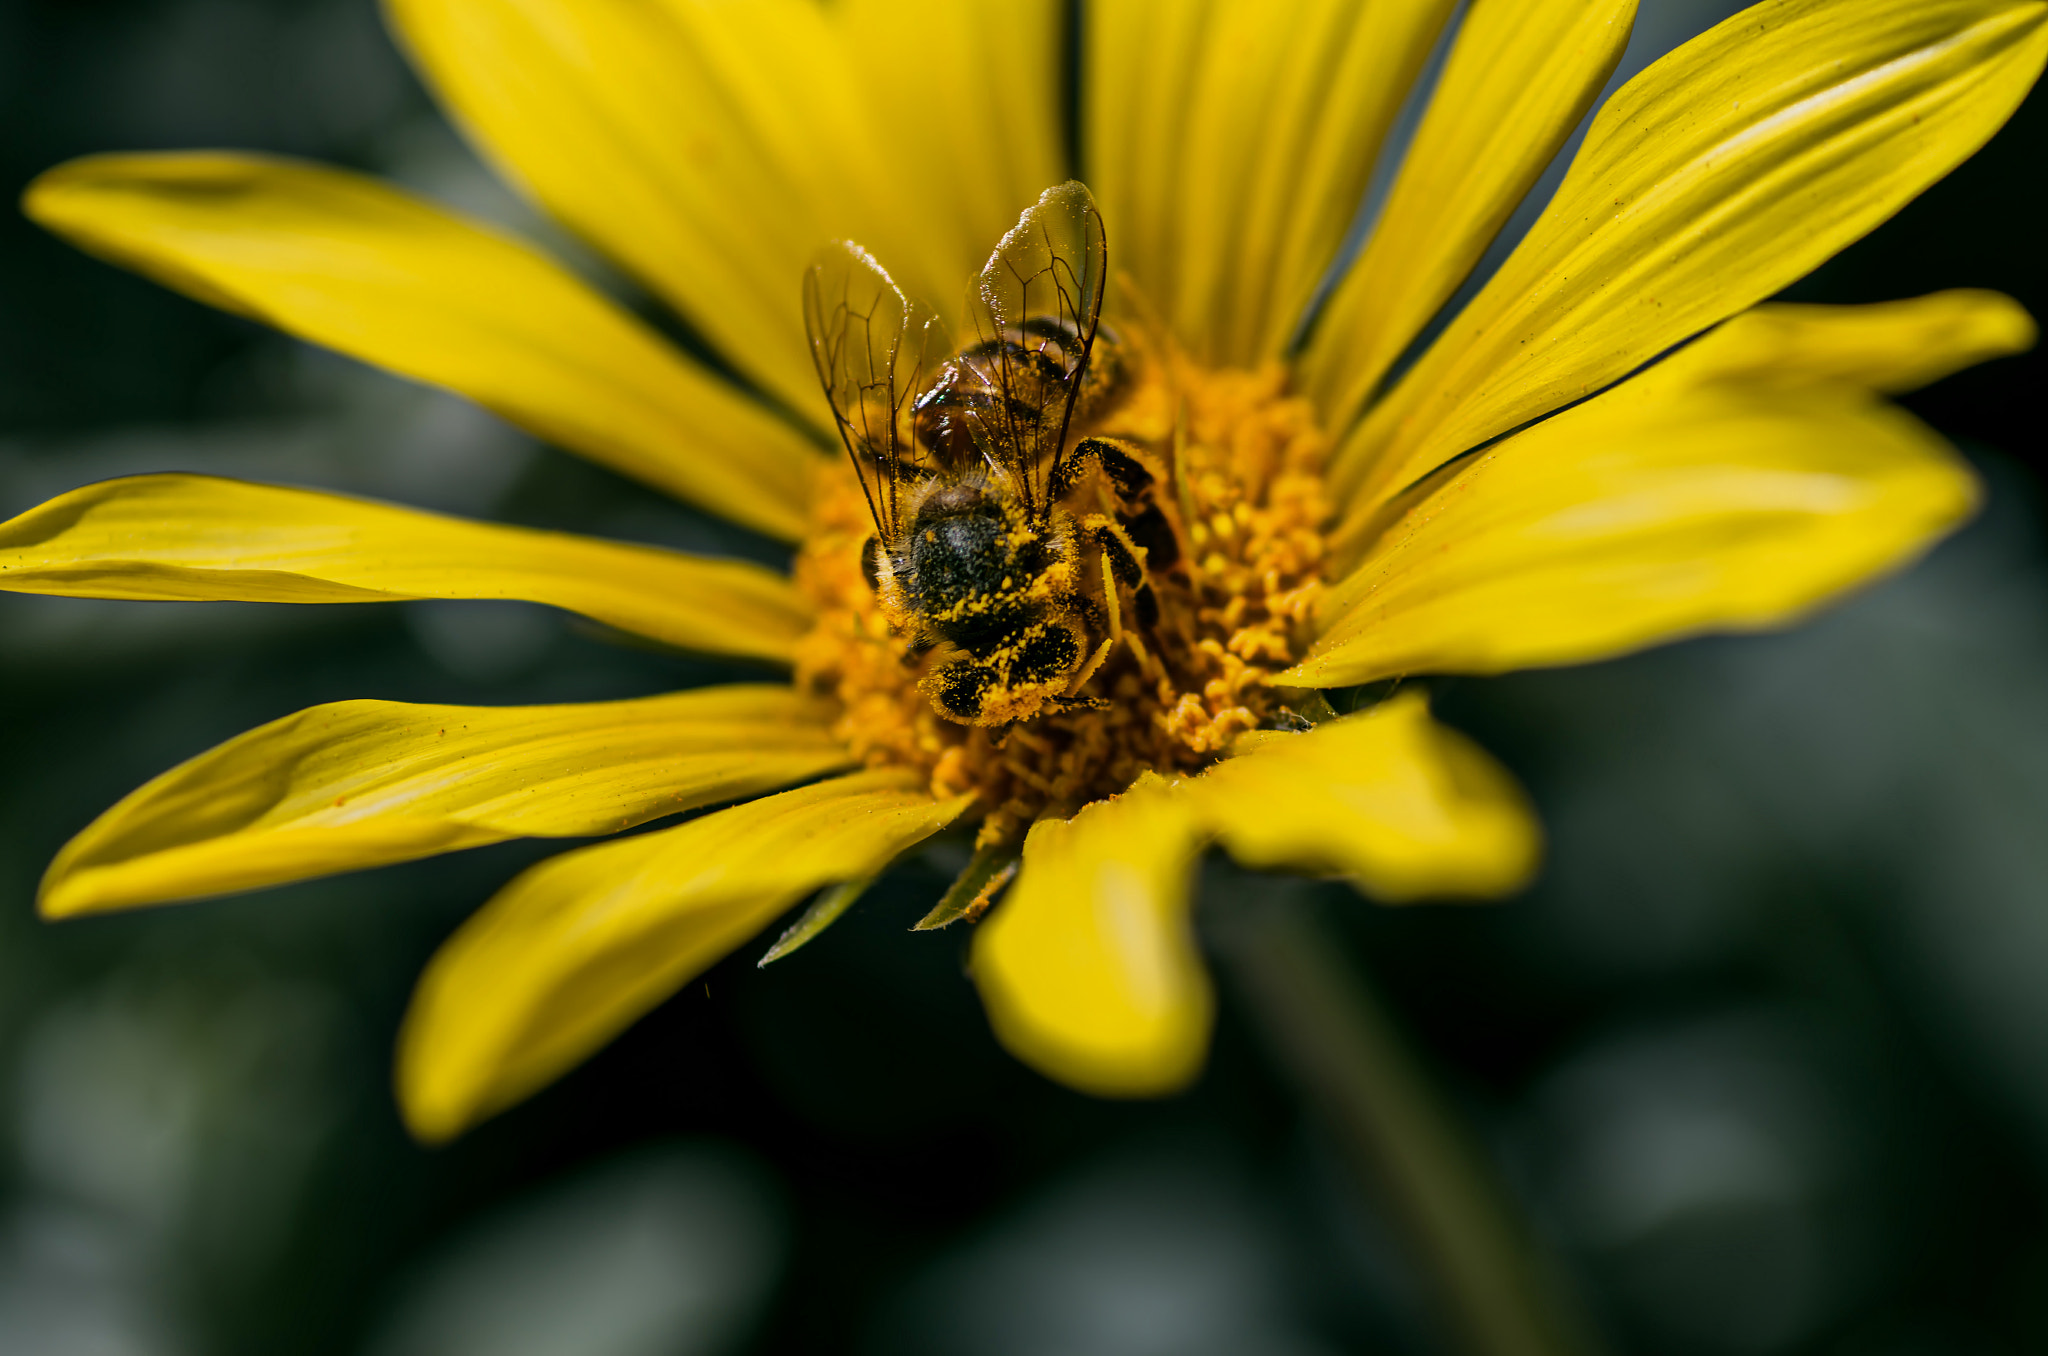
(1733, 487)
(1520, 76)
(713, 148)
(972, 162)
(1089, 969)
(1893, 346)
(366, 783)
(196, 537)
(356, 265)
(1725, 171)
(576, 949)
(1229, 144)
(1403, 806)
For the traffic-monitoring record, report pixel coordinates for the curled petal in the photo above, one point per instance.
(1731, 167)
(177, 537)
(1089, 969)
(1405, 807)
(359, 784)
(1734, 487)
(396, 281)
(576, 949)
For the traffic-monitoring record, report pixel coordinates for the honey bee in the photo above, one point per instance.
(963, 453)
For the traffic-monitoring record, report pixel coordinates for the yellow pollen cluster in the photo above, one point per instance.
(1245, 498)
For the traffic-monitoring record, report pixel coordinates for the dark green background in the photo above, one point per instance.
(1765, 1053)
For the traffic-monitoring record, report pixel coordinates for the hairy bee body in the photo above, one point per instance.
(977, 558)
(972, 573)
(1017, 599)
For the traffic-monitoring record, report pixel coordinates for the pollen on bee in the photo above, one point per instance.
(1245, 502)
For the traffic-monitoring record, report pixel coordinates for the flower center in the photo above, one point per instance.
(1243, 496)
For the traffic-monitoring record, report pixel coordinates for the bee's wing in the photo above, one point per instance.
(874, 349)
(1033, 310)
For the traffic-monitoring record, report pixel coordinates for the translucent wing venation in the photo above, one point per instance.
(1033, 310)
(874, 350)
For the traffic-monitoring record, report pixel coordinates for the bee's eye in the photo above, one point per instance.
(871, 562)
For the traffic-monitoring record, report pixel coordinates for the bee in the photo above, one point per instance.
(963, 453)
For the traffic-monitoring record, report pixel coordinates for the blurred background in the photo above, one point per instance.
(1764, 1055)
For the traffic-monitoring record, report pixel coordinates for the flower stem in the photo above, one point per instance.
(1337, 1042)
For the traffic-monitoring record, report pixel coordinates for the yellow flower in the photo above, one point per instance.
(1514, 497)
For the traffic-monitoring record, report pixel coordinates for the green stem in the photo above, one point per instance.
(1337, 1042)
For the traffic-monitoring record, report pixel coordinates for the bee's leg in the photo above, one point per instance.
(1149, 528)
(1146, 604)
(1121, 564)
(1118, 460)
(1111, 604)
(1105, 622)
(1144, 524)
(1119, 552)
(1122, 554)
(1074, 702)
(1143, 520)
(1124, 464)
(1108, 617)
(1067, 471)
